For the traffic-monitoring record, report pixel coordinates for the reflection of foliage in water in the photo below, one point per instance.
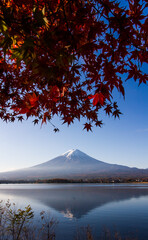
(17, 224)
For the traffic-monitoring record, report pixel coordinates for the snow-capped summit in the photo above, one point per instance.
(74, 153)
(68, 153)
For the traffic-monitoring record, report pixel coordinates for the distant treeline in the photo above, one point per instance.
(62, 180)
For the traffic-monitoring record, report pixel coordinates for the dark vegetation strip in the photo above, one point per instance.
(62, 180)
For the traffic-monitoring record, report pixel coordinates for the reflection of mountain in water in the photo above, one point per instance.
(75, 201)
(68, 214)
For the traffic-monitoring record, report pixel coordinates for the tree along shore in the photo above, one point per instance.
(62, 180)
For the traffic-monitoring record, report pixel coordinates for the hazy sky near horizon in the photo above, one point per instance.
(123, 141)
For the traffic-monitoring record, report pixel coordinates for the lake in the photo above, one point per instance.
(113, 207)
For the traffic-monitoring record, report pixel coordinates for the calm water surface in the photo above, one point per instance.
(117, 207)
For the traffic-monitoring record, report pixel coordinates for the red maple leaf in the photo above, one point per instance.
(33, 99)
(88, 127)
(98, 97)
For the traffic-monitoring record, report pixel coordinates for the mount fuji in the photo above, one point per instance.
(72, 164)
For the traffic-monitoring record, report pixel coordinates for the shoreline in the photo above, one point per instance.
(67, 181)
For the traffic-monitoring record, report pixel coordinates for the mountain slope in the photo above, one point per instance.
(77, 161)
(71, 164)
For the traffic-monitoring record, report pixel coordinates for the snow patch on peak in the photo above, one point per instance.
(73, 152)
(68, 153)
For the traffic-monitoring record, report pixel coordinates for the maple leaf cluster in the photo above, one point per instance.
(66, 57)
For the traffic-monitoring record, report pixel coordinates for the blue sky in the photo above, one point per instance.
(123, 141)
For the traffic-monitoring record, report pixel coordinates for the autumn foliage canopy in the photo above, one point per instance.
(66, 57)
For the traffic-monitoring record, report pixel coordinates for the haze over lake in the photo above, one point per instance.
(121, 207)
